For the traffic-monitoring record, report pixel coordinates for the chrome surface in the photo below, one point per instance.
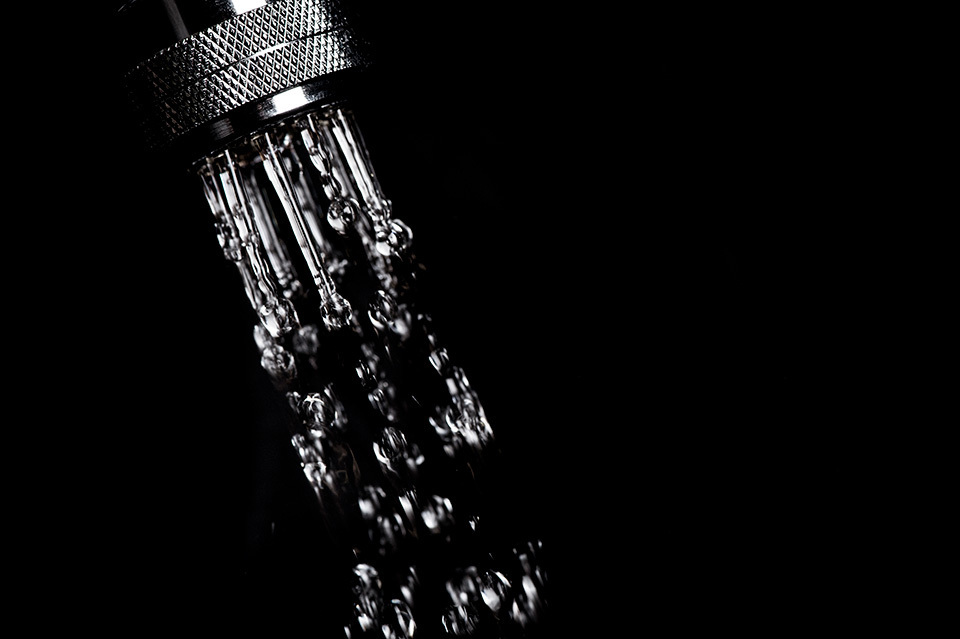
(233, 74)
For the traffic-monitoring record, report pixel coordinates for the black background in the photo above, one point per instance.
(626, 242)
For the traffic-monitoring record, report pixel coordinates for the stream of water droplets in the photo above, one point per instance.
(390, 433)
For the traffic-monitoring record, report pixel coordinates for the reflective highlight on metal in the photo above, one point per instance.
(218, 80)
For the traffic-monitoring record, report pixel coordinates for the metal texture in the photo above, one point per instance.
(219, 82)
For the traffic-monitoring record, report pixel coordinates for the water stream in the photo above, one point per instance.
(390, 433)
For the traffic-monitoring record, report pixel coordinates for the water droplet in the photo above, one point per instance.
(262, 337)
(367, 596)
(368, 378)
(385, 525)
(306, 341)
(386, 314)
(292, 287)
(228, 238)
(319, 477)
(494, 588)
(528, 601)
(391, 446)
(279, 363)
(328, 464)
(342, 213)
(293, 401)
(439, 358)
(278, 316)
(319, 411)
(383, 208)
(383, 310)
(371, 500)
(371, 359)
(396, 455)
(447, 437)
(462, 422)
(393, 237)
(457, 383)
(468, 416)
(527, 605)
(527, 557)
(408, 507)
(382, 398)
(309, 448)
(460, 620)
(437, 514)
(465, 415)
(336, 312)
(340, 416)
(388, 532)
(409, 582)
(463, 588)
(398, 622)
(337, 266)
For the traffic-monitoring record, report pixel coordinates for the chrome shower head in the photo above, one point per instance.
(254, 98)
(208, 72)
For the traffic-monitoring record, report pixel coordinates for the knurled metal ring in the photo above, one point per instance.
(239, 62)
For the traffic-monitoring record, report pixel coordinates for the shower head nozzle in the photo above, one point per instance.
(209, 72)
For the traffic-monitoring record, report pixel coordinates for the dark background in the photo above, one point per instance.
(628, 225)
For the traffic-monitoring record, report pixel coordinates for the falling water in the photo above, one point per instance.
(391, 435)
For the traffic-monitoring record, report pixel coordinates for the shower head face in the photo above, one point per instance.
(205, 74)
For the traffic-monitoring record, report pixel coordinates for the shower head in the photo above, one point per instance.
(255, 99)
(204, 73)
